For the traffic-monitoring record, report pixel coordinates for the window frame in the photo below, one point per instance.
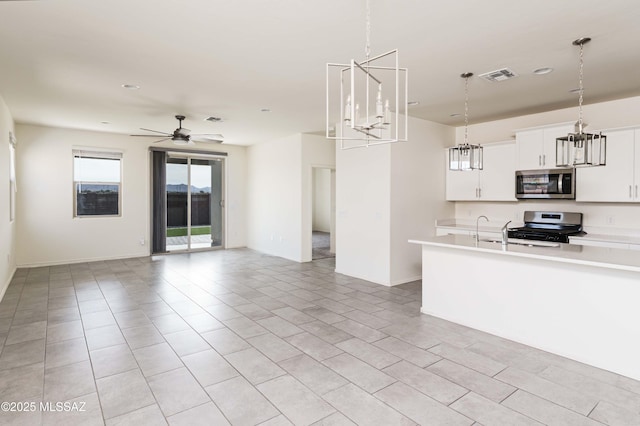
(96, 154)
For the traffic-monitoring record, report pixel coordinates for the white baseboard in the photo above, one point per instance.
(84, 260)
(6, 284)
(406, 280)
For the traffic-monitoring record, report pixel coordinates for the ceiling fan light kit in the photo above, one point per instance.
(183, 136)
(367, 100)
(581, 148)
(465, 157)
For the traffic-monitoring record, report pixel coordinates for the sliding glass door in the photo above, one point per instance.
(194, 194)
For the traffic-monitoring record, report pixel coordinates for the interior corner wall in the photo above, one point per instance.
(274, 197)
(48, 233)
(7, 227)
(417, 194)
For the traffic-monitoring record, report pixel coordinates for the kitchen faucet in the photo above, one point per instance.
(478, 219)
(505, 234)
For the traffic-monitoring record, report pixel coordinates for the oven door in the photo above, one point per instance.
(546, 184)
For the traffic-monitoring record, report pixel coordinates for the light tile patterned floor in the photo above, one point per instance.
(244, 338)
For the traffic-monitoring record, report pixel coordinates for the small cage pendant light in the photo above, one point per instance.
(465, 156)
(580, 148)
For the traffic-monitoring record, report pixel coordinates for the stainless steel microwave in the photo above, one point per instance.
(549, 183)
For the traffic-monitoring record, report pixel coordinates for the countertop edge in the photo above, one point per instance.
(498, 250)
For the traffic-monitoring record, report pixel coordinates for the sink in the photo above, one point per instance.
(526, 243)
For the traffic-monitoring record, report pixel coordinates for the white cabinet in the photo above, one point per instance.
(619, 179)
(495, 182)
(537, 147)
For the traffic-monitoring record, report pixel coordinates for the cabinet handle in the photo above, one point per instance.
(539, 160)
(544, 159)
(480, 192)
(476, 192)
(636, 191)
(630, 196)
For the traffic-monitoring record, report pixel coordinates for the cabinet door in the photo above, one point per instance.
(497, 179)
(529, 145)
(461, 186)
(613, 182)
(549, 142)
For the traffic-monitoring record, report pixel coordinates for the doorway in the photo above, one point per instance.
(194, 203)
(323, 213)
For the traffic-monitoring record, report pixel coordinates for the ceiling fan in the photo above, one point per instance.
(182, 136)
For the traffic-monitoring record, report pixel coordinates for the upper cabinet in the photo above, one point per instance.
(536, 148)
(619, 180)
(495, 182)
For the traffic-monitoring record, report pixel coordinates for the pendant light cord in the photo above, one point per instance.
(466, 110)
(367, 48)
(581, 87)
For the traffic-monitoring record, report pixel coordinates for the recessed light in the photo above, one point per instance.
(265, 110)
(213, 119)
(542, 71)
(105, 122)
(131, 86)
(413, 103)
(455, 114)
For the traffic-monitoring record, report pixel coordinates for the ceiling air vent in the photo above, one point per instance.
(498, 75)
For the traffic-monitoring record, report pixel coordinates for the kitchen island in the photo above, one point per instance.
(580, 302)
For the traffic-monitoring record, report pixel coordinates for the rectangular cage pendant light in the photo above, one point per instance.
(465, 157)
(367, 101)
(581, 149)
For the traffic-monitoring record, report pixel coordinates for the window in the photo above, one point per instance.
(12, 177)
(97, 183)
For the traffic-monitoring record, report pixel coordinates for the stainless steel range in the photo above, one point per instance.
(549, 226)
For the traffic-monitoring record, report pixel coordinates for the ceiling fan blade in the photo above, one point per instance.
(155, 131)
(213, 141)
(161, 140)
(208, 135)
(151, 136)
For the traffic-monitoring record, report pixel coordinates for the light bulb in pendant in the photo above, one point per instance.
(347, 110)
(379, 108)
(387, 113)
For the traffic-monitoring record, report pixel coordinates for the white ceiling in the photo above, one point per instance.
(62, 62)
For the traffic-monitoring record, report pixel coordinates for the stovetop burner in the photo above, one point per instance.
(549, 226)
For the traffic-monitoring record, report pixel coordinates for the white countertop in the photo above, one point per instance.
(607, 238)
(612, 258)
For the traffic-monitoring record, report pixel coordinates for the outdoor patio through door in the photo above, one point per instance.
(194, 203)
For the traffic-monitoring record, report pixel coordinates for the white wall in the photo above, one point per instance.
(280, 188)
(598, 217)
(321, 200)
(363, 217)
(599, 116)
(417, 195)
(274, 195)
(7, 228)
(47, 231)
(386, 195)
